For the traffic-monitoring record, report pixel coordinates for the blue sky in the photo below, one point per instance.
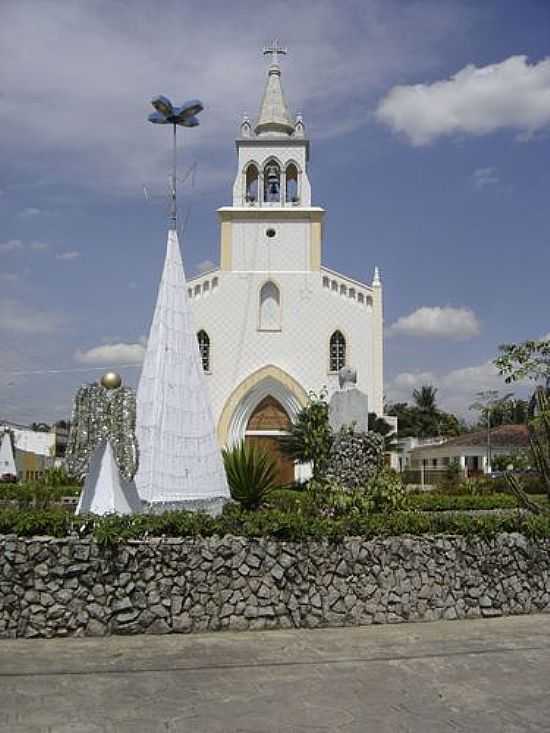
(429, 124)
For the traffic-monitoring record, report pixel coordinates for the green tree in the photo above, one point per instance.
(424, 419)
(531, 360)
(527, 360)
(425, 399)
(406, 418)
(383, 428)
(309, 438)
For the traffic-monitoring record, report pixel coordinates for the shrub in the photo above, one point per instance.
(251, 474)
(465, 502)
(273, 523)
(386, 493)
(36, 494)
(521, 460)
(450, 479)
(332, 501)
(475, 486)
(531, 483)
(55, 477)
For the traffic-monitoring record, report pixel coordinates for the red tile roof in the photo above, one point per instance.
(505, 436)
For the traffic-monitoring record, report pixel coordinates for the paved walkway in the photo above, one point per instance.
(488, 676)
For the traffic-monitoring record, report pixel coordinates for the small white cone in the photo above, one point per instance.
(104, 491)
(7, 459)
(180, 463)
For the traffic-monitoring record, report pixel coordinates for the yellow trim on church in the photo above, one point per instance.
(246, 385)
(226, 237)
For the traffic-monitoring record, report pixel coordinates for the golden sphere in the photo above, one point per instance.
(111, 380)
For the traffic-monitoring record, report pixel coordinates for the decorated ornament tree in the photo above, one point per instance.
(180, 461)
(102, 448)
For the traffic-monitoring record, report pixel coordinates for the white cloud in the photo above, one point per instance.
(447, 322)
(29, 212)
(457, 388)
(11, 246)
(484, 177)
(411, 380)
(112, 354)
(21, 318)
(513, 94)
(99, 59)
(70, 255)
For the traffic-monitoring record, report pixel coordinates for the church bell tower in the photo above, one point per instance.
(271, 225)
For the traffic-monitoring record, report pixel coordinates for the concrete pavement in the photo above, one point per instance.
(487, 675)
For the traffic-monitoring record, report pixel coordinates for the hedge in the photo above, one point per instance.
(461, 502)
(291, 500)
(269, 523)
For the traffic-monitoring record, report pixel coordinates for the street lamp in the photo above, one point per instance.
(185, 116)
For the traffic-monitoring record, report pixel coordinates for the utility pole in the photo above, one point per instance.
(486, 403)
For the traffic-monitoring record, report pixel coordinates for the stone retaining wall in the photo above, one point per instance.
(51, 587)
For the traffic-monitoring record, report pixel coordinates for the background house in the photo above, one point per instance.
(469, 449)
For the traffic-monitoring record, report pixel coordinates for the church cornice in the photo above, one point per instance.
(272, 212)
(349, 280)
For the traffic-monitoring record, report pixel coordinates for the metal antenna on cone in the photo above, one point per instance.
(186, 116)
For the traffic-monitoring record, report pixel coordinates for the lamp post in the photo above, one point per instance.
(185, 116)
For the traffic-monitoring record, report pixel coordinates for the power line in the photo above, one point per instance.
(70, 371)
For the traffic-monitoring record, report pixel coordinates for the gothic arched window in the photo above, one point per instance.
(291, 184)
(272, 182)
(251, 184)
(270, 307)
(204, 348)
(337, 353)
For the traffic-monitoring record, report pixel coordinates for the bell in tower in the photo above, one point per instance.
(273, 183)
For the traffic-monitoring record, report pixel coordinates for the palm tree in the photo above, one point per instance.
(428, 416)
(425, 399)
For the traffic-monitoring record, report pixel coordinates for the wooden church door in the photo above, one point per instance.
(266, 425)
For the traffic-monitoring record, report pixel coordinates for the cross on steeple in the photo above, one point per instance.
(274, 49)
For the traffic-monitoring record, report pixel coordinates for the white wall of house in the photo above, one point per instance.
(31, 441)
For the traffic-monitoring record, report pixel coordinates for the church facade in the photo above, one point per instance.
(273, 323)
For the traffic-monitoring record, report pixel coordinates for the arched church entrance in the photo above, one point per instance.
(267, 424)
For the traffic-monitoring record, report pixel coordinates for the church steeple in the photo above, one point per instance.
(274, 117)
(273, 156)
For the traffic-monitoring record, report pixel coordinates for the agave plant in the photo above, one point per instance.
(251, 474)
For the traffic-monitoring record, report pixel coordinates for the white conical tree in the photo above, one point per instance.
(7, 459)
(180, 462)
(104, 491)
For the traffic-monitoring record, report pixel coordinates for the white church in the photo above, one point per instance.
(274, 323)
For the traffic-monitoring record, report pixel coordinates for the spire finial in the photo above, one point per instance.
(274, 117)
(376, 281)
(274, 49)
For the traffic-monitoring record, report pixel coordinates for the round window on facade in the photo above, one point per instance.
(270, 233)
